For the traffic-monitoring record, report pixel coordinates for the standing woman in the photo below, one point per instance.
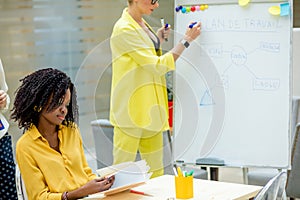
(139, 102)
(50, 153)
(7, 164)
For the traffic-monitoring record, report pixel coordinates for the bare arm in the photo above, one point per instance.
(190, 35)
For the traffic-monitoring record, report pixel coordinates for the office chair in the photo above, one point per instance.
(21, 190)
(274, 189)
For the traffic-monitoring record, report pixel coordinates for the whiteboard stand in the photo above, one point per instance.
(245, 177)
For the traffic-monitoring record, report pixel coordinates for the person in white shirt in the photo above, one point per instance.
(7, 164)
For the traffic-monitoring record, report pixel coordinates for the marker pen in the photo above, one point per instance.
(190, 173)
(141, 193)
(162, 21)
(192, 24)
(180, 174)
(175, 171)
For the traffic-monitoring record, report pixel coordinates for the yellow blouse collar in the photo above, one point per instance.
(34, 132)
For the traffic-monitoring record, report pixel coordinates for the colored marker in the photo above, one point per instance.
(179, 172)
(190, 173)
(166, 27)
(162, 21)
(141, 193)
(175, 171)
(185, 173)
(192, 24)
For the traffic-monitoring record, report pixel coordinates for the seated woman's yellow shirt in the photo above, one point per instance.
(48, 173)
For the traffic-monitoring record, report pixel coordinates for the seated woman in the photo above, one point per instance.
(50, 153)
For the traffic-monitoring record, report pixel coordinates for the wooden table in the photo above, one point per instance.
(163, 187)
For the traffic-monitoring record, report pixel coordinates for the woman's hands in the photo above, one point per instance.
(99, 184)
(163, 33)
(193, 31)
(93, 186)
(3, 97)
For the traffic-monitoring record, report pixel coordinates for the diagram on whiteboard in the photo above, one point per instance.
(232, 86)
(239, 56)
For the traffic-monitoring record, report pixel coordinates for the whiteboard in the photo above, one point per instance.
(232, 86)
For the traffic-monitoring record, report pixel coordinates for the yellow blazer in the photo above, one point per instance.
(138, 93)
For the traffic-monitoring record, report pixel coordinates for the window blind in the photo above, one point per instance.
(60, 34)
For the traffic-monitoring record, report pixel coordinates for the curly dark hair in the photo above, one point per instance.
(35, 92)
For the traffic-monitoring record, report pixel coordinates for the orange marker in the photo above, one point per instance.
(141, 193)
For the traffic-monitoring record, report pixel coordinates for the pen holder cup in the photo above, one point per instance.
(184, 187)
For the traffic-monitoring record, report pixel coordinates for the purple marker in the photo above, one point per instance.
(166, 28)
(192, 24)
(162, 21)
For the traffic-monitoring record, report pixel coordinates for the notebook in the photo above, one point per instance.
(127, 175)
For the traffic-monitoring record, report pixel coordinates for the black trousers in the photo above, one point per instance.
(8, 189)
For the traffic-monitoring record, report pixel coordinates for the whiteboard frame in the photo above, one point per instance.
(224, 2)
(296, 62)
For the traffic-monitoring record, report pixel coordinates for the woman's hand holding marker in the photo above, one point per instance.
(193, 31)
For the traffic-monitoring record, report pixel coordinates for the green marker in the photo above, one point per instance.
(190, 173)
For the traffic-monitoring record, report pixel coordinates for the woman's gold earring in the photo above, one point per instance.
(37, 109)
